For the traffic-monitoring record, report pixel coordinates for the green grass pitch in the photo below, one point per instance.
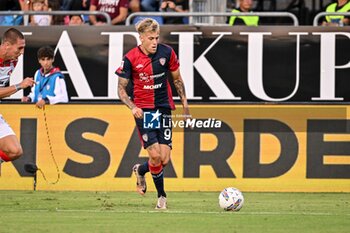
(40, 211)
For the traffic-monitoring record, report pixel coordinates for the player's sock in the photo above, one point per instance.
(158, 178)
(4, 157)
(143, 168)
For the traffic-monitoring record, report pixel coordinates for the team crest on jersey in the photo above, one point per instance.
(48, 87)
(162, 61)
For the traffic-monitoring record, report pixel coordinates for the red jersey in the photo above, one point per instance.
(111, 7)
(148, 74)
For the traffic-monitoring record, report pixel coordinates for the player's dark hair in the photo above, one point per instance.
(45, 51)
(11, 36)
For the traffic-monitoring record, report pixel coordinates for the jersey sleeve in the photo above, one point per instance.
(174, 62)
(125, 69)
(61, 95)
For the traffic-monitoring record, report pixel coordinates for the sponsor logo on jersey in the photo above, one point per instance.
(144, 77)
(151, 87)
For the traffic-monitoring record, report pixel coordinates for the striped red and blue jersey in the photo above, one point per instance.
(148, 74)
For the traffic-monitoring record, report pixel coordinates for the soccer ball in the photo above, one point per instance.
(231, 199)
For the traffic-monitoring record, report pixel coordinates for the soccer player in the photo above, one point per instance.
(12, 46)
(146, 67)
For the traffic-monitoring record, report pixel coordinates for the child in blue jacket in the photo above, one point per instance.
(50, 87)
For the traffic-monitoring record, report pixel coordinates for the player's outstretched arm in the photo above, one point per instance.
(123, 96)
(7, 91)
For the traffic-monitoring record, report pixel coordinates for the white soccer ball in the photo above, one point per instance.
(231, 199)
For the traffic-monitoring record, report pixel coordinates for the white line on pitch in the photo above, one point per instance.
(185, 212)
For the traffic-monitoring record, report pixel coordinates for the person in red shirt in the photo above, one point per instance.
(146, 67)
(12, 46)
(117, 10)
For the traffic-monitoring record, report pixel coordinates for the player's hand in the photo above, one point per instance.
(40, 104)
(137, 112)
(27, 82)
(186, 114)
(25, 99)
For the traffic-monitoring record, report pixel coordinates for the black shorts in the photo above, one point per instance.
(155, 127)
